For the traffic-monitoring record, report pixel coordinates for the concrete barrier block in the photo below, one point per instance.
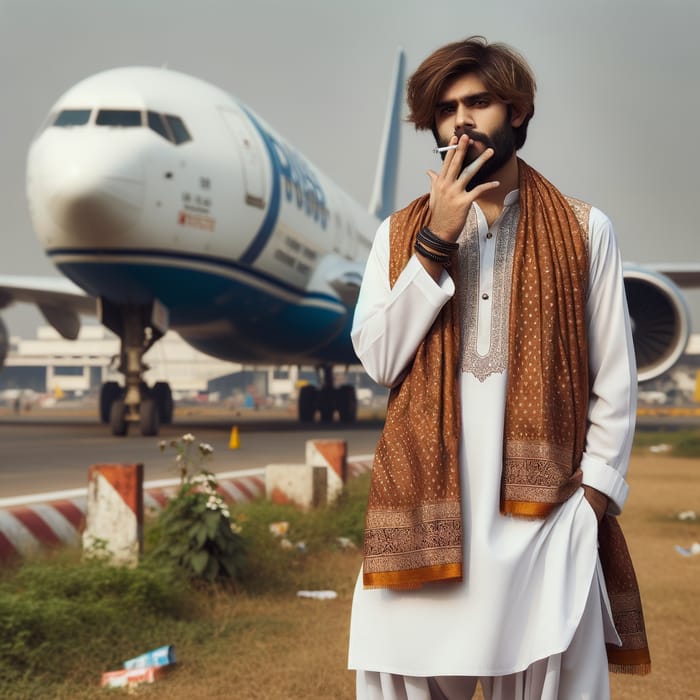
(114, 523)
(333, 456)
(300, 484)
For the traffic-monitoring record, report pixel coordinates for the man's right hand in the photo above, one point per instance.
(449, 199)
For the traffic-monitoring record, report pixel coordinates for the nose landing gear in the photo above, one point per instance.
(136, 403)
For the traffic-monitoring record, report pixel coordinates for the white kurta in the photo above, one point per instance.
(525, 581)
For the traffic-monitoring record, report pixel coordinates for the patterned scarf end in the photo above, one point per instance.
(412, 579)
(525, 509)
(636, 662)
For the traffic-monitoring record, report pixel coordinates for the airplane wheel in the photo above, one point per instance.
(163, 397)
(117, 418)
(326, 405)
(307, 404)
(149, 417)
(109, 393)
(347, 403)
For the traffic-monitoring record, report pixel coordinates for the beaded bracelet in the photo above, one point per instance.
(442, 259)
(426, 236)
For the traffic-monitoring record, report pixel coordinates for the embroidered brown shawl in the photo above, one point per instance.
(413, 525)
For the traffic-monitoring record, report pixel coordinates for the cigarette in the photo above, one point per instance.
(445, 148)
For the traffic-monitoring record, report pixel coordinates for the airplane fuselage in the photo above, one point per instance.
(152, 185)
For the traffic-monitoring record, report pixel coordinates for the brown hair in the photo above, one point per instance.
(504, 71)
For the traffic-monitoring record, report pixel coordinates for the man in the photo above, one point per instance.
(494, 308)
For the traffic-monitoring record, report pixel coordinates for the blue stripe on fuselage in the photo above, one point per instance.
(98, 256)
(261, 238)
(224, 314)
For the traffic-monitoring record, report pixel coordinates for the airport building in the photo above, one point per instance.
(49, 364)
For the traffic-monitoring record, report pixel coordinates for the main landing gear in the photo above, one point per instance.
(327, 400)
(136, 402)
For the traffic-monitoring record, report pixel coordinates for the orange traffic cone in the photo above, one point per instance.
(234, 441)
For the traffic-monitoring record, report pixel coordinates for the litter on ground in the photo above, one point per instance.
(689, 551)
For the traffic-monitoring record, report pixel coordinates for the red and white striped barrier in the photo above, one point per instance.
(359, 465)
(58, 518)
(28, 523)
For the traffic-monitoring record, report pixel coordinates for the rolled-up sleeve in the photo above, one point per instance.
(390, 322)
(613, 374)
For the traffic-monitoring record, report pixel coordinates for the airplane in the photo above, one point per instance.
(168, 203)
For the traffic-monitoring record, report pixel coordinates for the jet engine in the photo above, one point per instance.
(4, 343)
(660, 321)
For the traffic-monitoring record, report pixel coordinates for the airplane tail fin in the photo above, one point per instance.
(384, 190)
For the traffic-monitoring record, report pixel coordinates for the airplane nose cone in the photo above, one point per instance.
(93, 192)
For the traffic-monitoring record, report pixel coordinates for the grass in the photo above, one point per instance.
(61, 617)
(681, 443)
(63, 622)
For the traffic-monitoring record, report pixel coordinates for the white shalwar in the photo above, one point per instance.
(525, 582)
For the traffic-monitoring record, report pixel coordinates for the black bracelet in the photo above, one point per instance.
(442, 259)
(426, 236)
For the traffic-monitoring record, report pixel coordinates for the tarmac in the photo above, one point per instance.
(55, 448)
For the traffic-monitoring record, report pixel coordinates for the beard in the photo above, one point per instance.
(503, 143)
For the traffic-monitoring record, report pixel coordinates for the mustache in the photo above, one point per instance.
(478, 136)
(473, 136)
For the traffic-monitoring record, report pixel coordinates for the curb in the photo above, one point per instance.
(29, 523)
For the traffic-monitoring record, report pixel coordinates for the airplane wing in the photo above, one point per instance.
(684, 275)
(59, 300)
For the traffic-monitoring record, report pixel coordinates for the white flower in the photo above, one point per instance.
(162, 445)
(205, 448)
(236, 528)
(188, 438)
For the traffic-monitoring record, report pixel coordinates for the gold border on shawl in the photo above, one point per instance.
(525, 509)
(412, 578)
(633, 661)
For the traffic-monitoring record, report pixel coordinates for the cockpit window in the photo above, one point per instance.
(170, 127)
(72, 117)
(118, 117)
(155, 122)
(177, 126)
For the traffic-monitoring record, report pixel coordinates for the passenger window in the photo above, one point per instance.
(118, 117)
(178, 128)
(155, 122)
(72, 117)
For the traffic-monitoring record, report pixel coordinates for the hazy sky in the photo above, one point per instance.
(616, 112)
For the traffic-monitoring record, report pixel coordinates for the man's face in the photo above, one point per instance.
(466, 107)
